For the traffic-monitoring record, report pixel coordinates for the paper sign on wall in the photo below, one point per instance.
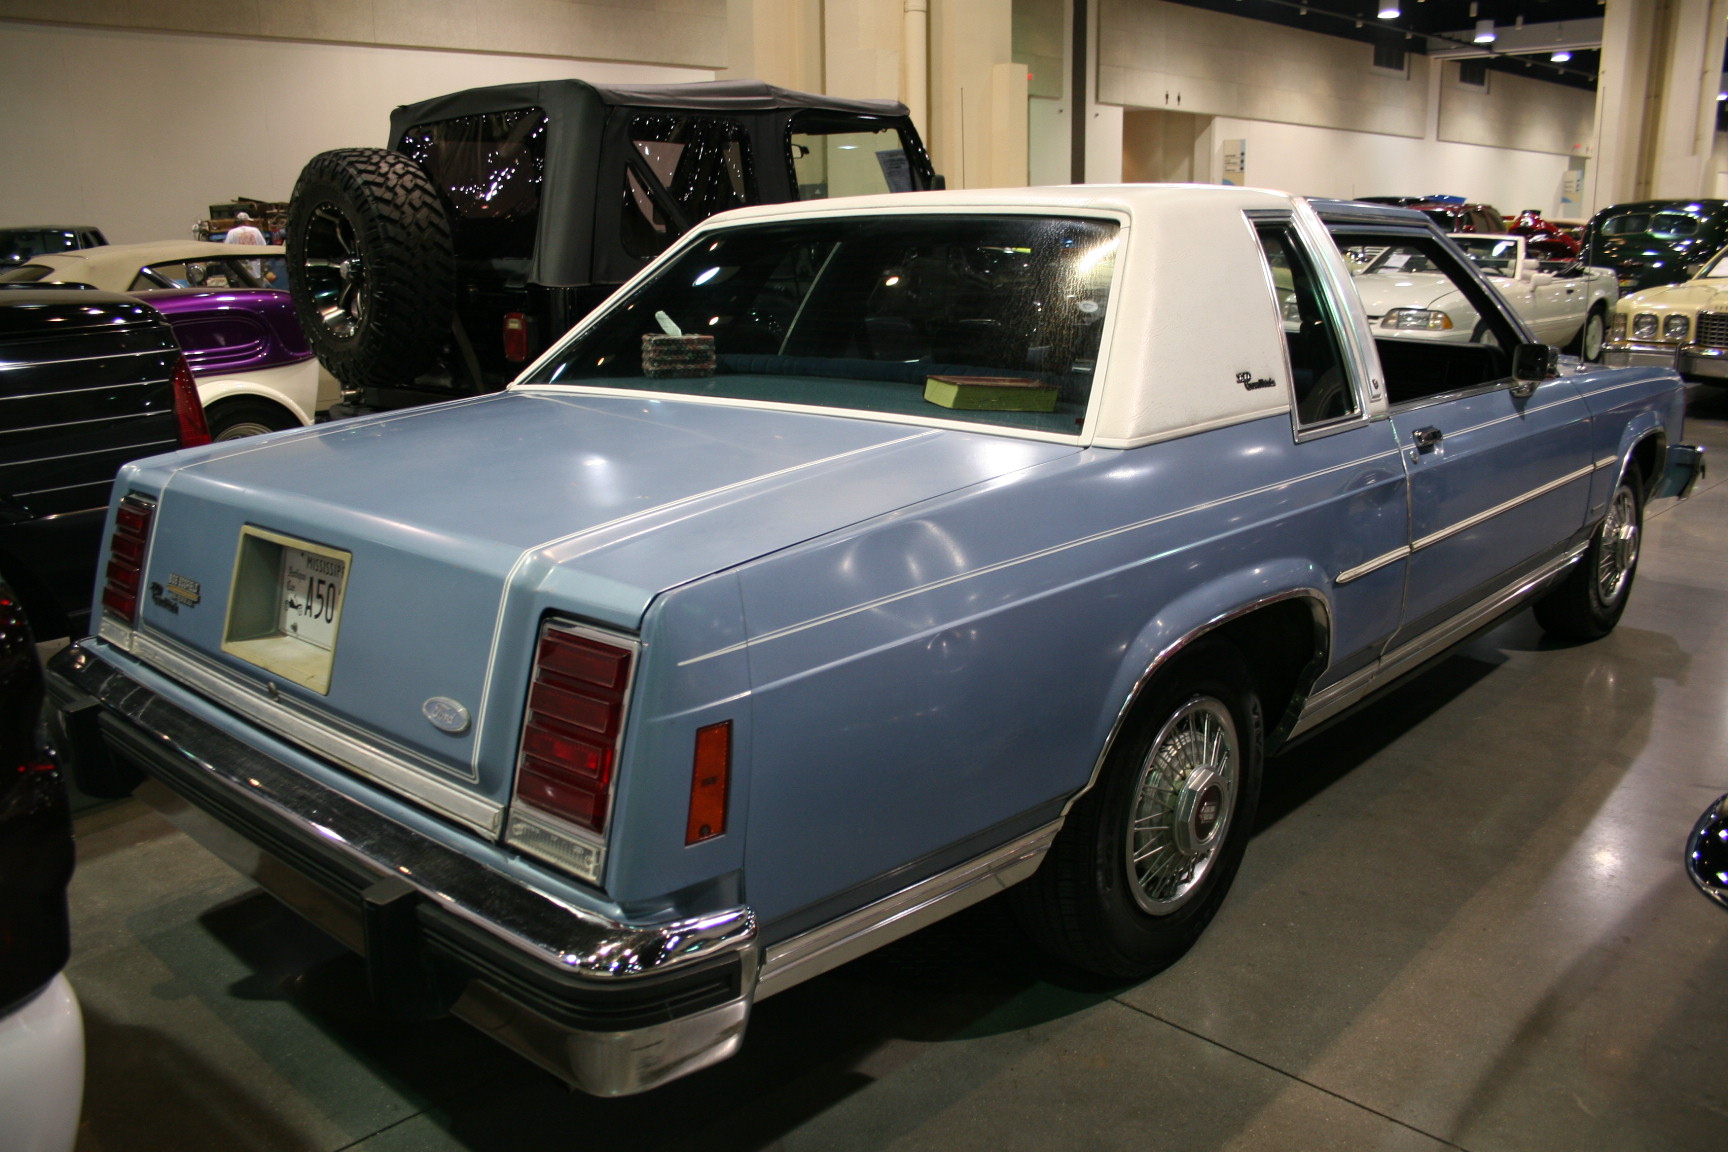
(1236, 162)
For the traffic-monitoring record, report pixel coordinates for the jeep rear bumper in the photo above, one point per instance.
(613, 1008)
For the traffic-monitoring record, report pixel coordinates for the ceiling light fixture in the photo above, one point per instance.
(1561, 57)
(1485, 32)
(1389, 11)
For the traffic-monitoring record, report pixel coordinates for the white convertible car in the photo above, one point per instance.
(1565, 303)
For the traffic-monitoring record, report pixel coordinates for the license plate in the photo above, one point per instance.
(312, 596)
(285, 606)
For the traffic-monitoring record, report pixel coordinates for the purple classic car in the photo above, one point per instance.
(255, 371)
(855, 562)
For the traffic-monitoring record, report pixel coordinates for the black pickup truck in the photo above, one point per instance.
(500, 216)
(88, 381)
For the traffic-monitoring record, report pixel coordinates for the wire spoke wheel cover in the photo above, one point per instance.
(1184, 802)
(1618, 553)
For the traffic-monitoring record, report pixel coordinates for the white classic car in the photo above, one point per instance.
(1565, 303)
(1682, 326)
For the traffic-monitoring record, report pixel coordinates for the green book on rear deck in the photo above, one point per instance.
(991, 393)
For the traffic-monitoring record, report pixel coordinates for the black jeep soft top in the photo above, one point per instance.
(500, 216)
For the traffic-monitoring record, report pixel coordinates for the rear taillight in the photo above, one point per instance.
(515, 337)
(125, 574)
(574, 721)
(188, 409)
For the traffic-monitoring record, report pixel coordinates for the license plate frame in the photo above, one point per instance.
(285, 605)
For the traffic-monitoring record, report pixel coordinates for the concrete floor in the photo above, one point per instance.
(1463, 923)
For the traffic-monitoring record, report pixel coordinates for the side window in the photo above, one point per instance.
(683, 169)
(1319, 375)
(1435, 328)
(847, 156)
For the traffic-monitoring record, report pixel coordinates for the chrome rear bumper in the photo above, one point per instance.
(611, 1007)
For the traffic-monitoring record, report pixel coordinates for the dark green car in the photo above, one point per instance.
(1652, 242)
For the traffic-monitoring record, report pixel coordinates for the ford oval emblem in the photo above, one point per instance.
(446, 714)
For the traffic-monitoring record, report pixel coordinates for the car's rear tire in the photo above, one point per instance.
(239, 418)
(370, 265)
(1592, 334)
(1590, 600)
(1145, 857)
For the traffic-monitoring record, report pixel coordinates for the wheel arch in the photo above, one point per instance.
(1283, 628)
(240, 391)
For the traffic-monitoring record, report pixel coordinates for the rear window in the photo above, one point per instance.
(491, 168)
(847, 156)
(991, 320)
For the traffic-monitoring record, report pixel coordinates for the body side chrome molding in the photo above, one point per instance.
(835, 943)
(1324, 705)
(1487, 514)
(1373, 565)
(396, 768)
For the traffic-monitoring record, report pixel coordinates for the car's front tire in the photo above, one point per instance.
(1588, 603)
(1145, 858)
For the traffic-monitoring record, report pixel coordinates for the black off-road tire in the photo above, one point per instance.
(371, 266)
(1081, 905)
(243, 416)
(1588, 603)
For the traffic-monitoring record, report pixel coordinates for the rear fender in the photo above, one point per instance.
(1185, 620)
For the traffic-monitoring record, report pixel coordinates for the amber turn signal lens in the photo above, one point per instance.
(708, 778)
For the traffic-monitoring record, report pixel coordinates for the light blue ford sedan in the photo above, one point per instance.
(854, 563)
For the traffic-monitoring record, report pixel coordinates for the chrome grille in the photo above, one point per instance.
(1713, 329)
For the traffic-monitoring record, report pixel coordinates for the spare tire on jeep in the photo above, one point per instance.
(371, 266)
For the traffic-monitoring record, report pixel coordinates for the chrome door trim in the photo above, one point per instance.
(395, 768)
(835, 943)
(1489, 513)
(1373, 565)
(1324, 705)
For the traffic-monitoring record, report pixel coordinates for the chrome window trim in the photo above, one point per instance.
(1333, 309)
(396, 768)
(839, 941)
(1334, 699)
(1506, 506)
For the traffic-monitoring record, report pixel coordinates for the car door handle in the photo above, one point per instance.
(1427, 438)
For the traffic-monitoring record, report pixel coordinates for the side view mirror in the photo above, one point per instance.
(1532, 364)
(938, 183)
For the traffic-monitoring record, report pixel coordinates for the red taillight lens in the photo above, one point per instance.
(188, 409)
(515, 337)
(575, 717)
(709, 771)
(126, 547)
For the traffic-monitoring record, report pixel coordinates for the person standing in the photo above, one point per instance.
(244, 232)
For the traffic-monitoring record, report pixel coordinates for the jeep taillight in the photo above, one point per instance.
(515, 337)
(574, 721)
(125, 574)
(188, 409)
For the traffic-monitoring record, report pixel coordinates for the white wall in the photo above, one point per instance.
(1327, 162)
(139, 132)
(1320, 120)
